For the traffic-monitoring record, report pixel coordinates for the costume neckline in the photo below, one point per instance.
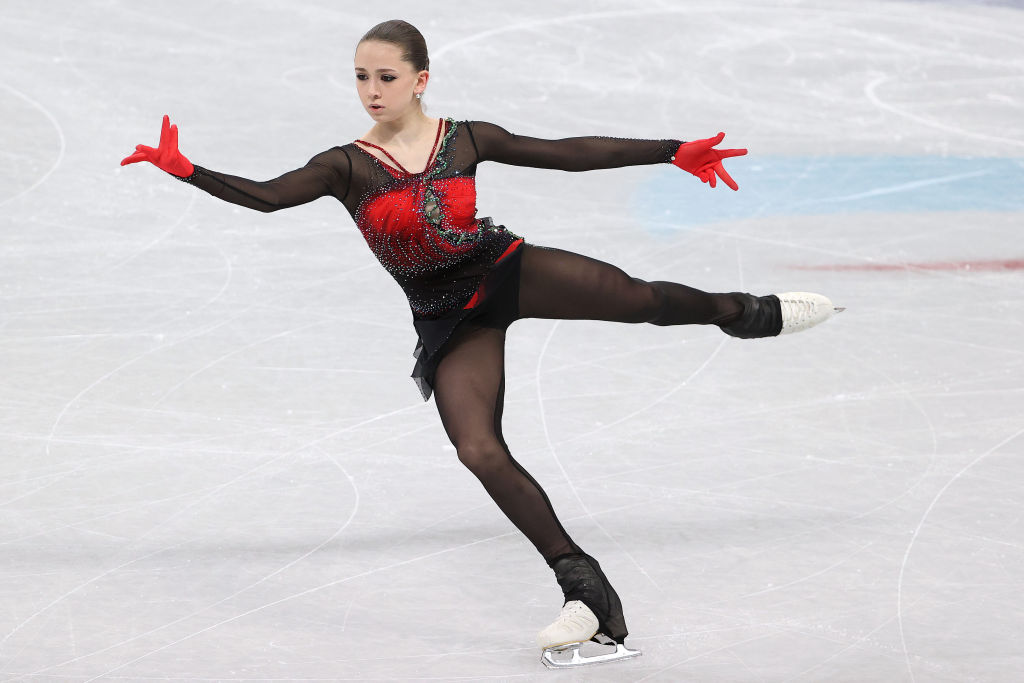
(431, 160)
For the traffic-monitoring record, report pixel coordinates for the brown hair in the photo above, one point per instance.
(405, 36)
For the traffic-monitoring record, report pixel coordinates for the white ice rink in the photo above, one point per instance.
(213, 464)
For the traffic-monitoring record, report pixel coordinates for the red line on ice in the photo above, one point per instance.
(1001, 264)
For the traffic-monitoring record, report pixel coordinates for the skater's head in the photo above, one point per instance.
(391, 65)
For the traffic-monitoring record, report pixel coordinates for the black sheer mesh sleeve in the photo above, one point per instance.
(494, 143)
(328, 173)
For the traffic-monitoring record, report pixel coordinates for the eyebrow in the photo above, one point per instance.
(359, 68)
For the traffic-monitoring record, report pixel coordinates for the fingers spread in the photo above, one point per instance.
(726, 153)
(165, 130)
(706, 143)
(724, 175)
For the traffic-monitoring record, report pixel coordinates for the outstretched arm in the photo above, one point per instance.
(494, 143)
(328, 173)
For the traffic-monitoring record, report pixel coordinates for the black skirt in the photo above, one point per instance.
(497, 305)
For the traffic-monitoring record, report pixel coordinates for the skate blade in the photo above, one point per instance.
(554, 657)
(838, 309)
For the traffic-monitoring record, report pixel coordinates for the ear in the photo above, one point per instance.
(421, 80)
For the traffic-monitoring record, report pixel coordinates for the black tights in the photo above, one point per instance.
(469, 384)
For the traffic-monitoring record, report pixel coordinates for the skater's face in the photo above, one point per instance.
(387, 85)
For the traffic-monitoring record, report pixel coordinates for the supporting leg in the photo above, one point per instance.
(469, 390)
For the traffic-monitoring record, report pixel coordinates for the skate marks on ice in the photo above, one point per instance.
(28, 152)
(917, 531)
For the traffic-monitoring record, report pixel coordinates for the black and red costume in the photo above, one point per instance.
(467, 279)
(423, 227)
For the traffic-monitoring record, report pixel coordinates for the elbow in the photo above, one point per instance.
(578, 165)
(271, 201)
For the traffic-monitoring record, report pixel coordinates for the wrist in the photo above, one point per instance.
(674, 147)
(191, 175)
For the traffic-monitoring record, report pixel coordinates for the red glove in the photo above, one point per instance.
(166, 156)
(700, 159)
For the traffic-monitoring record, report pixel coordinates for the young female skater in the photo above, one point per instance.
(409, 185)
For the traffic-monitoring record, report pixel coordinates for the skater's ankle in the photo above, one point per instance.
(552, 561)
(732, 309)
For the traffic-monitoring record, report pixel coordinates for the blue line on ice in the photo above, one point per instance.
(773, 186)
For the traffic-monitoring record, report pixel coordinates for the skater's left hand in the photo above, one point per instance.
(702, 160)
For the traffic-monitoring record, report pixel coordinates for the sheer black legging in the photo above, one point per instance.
(469, 384)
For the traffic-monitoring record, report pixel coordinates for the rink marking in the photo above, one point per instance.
(60, 134)
(981, 266)
(917, 532)
(895, 189)
(869, 92)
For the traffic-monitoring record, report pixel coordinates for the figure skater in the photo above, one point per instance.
(409, 185)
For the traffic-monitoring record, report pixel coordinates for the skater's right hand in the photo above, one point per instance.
(166, 156)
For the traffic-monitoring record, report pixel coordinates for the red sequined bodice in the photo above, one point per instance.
(420, 222)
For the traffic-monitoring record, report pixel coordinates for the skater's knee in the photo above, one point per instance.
(653, 302)
(482, 456)
(632, 300)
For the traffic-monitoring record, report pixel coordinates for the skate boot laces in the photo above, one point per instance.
(575, 623)
(801, 310)
(578, 617)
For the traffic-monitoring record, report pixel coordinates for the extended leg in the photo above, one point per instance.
(563, 285)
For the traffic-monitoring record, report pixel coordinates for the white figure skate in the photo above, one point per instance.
(575, 625)
(775, 314)
(803, 310)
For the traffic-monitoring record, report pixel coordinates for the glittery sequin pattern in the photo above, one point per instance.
(423, 229)
(188, 179)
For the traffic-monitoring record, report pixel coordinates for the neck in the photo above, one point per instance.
(403, 130)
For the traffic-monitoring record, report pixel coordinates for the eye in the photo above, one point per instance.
(361, 77)
(387, 77)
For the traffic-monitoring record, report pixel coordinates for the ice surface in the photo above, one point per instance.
(213, 465)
